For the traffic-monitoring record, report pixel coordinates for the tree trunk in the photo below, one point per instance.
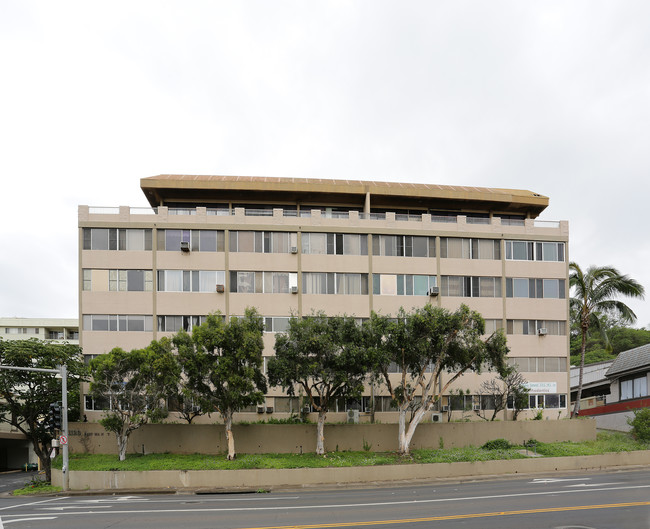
(320, 433)
(403, 448)
(122, 441)
(583, 346)
(417, 417)
(229, 437)
(44, 455)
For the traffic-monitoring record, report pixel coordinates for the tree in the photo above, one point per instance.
(222, 363)
(27, 395)
(135, 385)
(325, 356)
(423, 344)
(595, 294)
(508, 388)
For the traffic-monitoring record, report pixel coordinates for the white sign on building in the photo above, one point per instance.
(541, 387)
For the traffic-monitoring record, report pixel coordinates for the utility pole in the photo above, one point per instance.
(63, 372)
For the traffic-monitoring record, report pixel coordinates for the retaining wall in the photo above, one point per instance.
(299, 438)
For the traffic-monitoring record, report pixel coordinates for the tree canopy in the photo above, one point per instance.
(136, 385)
(222, 365)
(326, 357)
(424, 344)
(27, 395)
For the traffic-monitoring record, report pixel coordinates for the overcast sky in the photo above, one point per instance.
(553, 97)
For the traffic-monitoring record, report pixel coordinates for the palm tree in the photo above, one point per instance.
(595, 293)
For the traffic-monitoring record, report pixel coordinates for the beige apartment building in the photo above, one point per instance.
(293, 246)
(50, 329)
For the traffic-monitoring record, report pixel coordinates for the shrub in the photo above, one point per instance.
(497, 444)
(641, 425)
(531, 443)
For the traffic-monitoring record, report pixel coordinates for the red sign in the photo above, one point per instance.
(63, 440)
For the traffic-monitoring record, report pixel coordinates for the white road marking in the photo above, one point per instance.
(71, 507)
(594, 484)
(32, 503)
(194, 509)
(555, 480)
(29, 519)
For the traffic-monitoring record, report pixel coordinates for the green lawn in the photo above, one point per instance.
(606, 442)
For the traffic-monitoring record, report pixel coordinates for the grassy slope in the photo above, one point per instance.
(606, 442)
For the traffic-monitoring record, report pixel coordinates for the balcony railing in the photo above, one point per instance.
(306, 213)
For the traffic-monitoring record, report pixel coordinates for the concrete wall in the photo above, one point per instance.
(297, 438)
(301, 477)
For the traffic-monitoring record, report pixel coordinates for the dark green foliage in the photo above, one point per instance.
(641, 425)
(532, 443)
(424, 344)
(325, 357)
(222, 363)
(27, 395)
(497, 444)
(136, 383)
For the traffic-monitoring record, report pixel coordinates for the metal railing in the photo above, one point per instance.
(306, 213)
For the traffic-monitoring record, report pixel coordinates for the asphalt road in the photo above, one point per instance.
(615, 500)
(16, 479)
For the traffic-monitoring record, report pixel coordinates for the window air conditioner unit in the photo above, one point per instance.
(269, 409)
(445, 407)
(542, 332)
(260, 409)
(294, 249)
(436, 417)
(220, 289)
(353, 416)
(477, 407)
(294, 290)
(185, 246)
(434, 291)
(196, 409)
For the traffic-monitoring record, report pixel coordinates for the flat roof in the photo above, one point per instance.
(178, 189)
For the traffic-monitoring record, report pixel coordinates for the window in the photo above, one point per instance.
(492, 325)
(634, 388)
(116, 239)
(276, 324)
(118, 280)
(474, 287)
(176, 323)
(263, 282)
(114, 322)
(535, 288)
(553, 327)
(549, 251)
(548, 400)
(402, 284)
(334, 283)
(190, 280)
(534, 251)
(199, 240)
(334, 243)
(403, 246)
(458, 248)
(262, 241)
(538, 364)
(96, 404)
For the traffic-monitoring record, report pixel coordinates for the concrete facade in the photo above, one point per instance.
(293, 246)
